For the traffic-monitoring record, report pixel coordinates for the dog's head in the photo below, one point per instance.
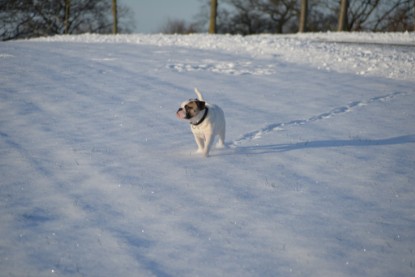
(191, 108)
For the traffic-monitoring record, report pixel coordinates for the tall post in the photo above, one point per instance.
(213, 11)
(67, 14)
(342, 26)
(303, 16)
(115, 17)
(413, 22)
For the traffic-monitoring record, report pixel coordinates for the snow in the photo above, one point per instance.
(99, 177)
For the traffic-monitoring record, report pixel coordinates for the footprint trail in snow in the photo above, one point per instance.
(275, 127)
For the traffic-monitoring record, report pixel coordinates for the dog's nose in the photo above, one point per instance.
(180, 109)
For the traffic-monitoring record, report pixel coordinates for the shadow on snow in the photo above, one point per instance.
(272, 148)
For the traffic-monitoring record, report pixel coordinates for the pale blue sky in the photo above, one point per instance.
(150, 15)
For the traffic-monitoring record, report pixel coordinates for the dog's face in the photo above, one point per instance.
(189, 109)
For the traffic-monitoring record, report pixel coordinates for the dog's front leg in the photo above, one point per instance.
(200, 143)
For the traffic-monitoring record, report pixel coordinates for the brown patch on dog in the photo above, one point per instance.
(193, 108)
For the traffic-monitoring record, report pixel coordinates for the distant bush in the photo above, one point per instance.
(176, 26)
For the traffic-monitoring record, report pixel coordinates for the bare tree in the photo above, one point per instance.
(395, 15)
(213, 15)
(247, 18)
(281, 16)
(320, 16)
(281, 12)
(28, 18)
(256, 16)
(360, 13)
(375, 15)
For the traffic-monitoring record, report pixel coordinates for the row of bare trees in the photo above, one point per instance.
(288, 16)
(34, 18)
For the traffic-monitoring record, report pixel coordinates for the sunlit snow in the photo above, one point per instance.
(99, 177)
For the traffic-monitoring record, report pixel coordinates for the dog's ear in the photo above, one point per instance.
(201, 104)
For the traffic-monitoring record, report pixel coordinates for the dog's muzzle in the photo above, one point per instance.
(181, 114)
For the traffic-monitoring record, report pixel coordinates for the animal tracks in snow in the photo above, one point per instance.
(231, 68)
(275, 127)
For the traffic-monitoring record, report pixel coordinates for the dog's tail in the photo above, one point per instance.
(199, 95)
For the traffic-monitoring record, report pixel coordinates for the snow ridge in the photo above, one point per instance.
(276, 127)
(373, 54)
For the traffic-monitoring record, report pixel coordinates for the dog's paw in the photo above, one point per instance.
(203, 152)
(220, 146)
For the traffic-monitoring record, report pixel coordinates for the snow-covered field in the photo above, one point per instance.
(99, 178)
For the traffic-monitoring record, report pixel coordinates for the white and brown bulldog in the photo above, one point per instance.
(207, 121)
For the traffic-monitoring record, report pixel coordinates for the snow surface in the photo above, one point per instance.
(99, 178)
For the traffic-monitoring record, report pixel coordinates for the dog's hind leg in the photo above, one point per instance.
(208, 145)
(221, 141)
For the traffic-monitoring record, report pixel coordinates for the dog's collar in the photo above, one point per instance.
(202, 119)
